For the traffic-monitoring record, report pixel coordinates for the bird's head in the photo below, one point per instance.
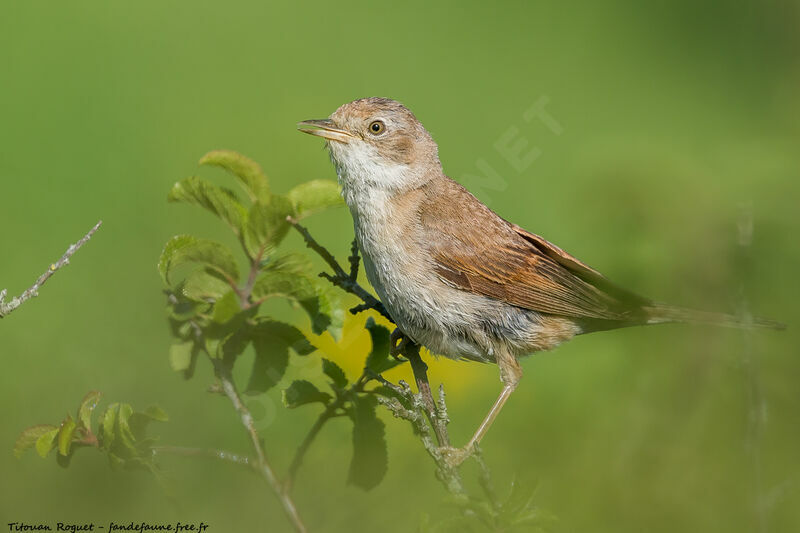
(377, 143)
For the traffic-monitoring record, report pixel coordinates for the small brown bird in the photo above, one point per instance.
(455, 277)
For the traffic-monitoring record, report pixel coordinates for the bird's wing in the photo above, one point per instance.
(475, 250)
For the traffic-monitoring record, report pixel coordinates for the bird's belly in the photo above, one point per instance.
(446, 320)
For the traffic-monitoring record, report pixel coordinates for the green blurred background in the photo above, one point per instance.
(676, 116)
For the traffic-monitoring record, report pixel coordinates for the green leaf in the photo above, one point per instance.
(46, 442)
(221, 202)
(137, 425)
(249, 173)
(226, 308)
(302, 392)
(316, 300)
(314, 196)
(204, 285)
(156, 413)
(123, 426)
(334, 371)
(29, 436)
(370, 458)
(65, 434)
(233, 344)
(109, 425)
(183, 249)
(180, 355)
(272, 341)
(287, 262)
(378, 359)
(266, 225)
(88, 405)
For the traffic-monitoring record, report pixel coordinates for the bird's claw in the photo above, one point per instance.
(397, 343)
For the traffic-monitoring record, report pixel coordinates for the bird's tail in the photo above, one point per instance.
(657, 313)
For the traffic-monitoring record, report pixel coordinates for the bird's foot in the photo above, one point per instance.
(397, 343)
(455, 456)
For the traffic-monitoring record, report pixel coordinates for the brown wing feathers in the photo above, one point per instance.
(510, 264)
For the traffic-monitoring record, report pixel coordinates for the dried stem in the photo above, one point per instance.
(6, 308)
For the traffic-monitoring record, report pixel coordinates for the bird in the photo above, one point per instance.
(455, 276)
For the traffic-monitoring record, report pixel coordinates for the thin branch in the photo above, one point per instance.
(297, 460)
(423, 405)
(438, 423)
(340, 278)
(354, 259)
(263, 466)
(327, 414)
(6, 308)
(222, 455)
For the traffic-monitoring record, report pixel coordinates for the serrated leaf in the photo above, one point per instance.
(249, 173)
(288, 262)
(204, 285)
(272, 341)
(370, 458)
(334, 371)
(46, 442)
(378, 359)
(29, 436)
(302, 392)
(109, 425)
(87, 407)
(316, 300)
(233, 344)
(314, 196)
(266, 225)
(123, 426)
(65, 433)
(183, 249)
(180, 355)
(219, 201)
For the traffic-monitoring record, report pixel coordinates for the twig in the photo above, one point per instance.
(222, 455)
(411, 352)
(423, 405)
(263, 466)
(6, 308)
(327, 414)
(340, 278)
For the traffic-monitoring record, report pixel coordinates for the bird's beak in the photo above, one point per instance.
(324, 128)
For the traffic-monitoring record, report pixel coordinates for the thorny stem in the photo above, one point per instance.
(6, 308)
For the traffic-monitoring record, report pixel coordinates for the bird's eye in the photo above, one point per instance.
(377, 127)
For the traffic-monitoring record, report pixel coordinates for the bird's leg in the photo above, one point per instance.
(397, 343)
(510, 374)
